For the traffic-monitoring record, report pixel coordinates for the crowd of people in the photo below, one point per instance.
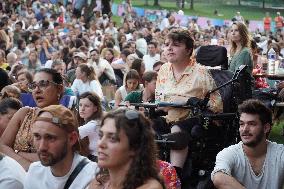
(61, 73)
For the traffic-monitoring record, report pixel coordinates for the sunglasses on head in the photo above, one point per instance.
(131, 114)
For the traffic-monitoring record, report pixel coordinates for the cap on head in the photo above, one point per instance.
(81, 55)
(61, 117)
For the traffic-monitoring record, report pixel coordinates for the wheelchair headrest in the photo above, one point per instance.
(213, 55)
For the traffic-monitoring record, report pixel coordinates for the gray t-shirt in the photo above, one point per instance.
(234, 162)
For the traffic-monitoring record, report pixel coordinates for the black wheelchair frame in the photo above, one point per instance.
(204, 148)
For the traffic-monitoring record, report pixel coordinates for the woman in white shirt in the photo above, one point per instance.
(90, 112)
(86, 81)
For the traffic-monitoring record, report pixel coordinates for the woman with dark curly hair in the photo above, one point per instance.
(126, 153)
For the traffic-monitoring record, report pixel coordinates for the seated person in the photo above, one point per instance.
(126, 152)
(12, 174)
(255, 162)
(131, 84)
(178, 80)
(56, 139)
(10, 91)
(148, 93)
(8, 107)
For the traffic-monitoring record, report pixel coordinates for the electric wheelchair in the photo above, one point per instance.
(210, 132)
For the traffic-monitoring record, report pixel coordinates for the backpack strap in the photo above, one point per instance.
(75, 172)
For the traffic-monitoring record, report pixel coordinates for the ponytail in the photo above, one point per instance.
(89, 70)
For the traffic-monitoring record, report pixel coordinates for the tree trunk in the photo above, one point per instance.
(156, 3)
(239, 2)
(191, 4)
(263, 4)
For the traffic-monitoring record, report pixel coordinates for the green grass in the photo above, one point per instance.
(276, 133)
(207, 9)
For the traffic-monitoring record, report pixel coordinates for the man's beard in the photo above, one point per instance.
(53, 159)
(257, 139)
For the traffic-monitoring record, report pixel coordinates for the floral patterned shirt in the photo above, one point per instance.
(195, 81)
(169, 175)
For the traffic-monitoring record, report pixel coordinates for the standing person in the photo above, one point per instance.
(152, 56)
(279, 22)
(90, 110)
(240, 52)
(239, 18)
(255, 162)
(86, 81)
(56, 138)
(178, 80)
(16, 141)
(126, 152)
(267, 23)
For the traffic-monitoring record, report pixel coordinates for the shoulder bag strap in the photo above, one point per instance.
(75, 172)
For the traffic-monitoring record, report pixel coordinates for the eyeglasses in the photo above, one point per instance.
(42, 85)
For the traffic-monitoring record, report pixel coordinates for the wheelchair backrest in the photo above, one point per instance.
(235, 93)
(220, 77)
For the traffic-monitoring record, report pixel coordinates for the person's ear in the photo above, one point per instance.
(73, 138)
(189, 52)
(60, 89)
(146, 83)
(267, 128)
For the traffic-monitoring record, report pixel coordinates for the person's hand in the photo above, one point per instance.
(38, 47)
(17, 84)
(44, 45)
